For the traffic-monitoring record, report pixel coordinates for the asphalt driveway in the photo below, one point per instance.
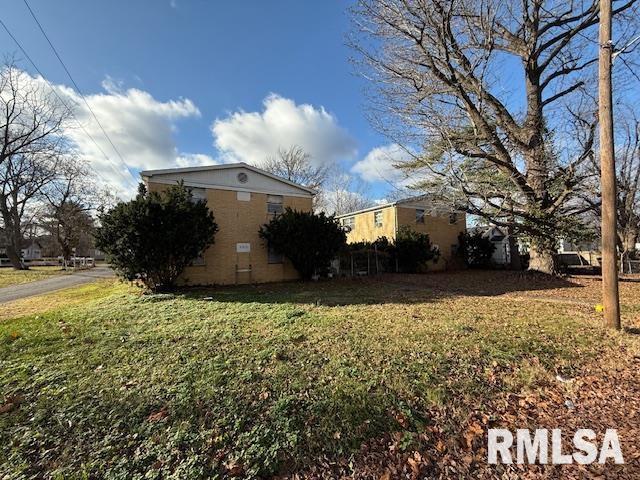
(58, 282)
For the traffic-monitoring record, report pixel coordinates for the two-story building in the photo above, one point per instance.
(419, 214)
(242, 199)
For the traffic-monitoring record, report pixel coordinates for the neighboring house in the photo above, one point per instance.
(500, 240)
(242, 198)
(33, 251)
(568, 246)
(419, 213)
(97, 255)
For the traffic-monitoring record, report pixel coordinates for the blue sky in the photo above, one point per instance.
(159, 74)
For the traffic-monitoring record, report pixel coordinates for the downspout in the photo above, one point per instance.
(395, 228)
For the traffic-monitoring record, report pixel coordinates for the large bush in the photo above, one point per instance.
(309, 240)
(155, 236)
(477, 249)
(413, 250)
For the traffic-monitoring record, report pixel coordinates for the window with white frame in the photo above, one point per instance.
(243, 196)
(349, 222)
(274, 204)
(419, 215)
(377, 218)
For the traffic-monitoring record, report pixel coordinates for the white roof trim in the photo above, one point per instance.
(232, 189)
(224, 166)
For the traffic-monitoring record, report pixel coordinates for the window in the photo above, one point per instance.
(349, 222)
(453, 218)
(274, 204)
(273, 256)
(419, 215)
(243, 196)
(377, 218)
(198, 195)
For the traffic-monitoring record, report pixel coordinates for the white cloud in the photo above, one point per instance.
(140, 126)
(379, 164)
(194, 160)
(252, 136)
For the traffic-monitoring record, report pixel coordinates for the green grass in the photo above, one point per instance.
(9, 276)
(179, 386)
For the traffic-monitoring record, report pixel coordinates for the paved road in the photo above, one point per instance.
(58, 282)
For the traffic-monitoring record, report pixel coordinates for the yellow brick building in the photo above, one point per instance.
(242, 199)
(419, 214)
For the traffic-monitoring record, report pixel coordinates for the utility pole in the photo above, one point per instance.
(611, 301)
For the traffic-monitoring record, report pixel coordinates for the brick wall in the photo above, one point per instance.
(366, 230)
(239, 222)
(440, 231)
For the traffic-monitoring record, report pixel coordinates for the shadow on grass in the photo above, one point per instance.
(383, 289)
(632, 330)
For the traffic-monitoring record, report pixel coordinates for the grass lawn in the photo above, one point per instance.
(256, 381)
(9, 276)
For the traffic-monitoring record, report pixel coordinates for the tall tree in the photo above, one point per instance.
(628, 175)
(31, 145)
(627, 153)
(497, 97)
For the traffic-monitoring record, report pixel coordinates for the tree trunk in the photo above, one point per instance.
(629, 240)
(14, 240)
(542, 257)
(15, 257)
(515, 262)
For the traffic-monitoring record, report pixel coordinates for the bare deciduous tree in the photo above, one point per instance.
(296, 165)
(31, 145)
(628, 159)
(70, 200)
(342, 193)
(497, 97)
(627, 141)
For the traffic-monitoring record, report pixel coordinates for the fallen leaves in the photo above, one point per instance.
(11, 403)
(159, 415)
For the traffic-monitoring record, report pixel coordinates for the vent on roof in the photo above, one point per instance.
(242, 177)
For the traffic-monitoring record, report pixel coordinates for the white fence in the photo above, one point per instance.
(74, 262)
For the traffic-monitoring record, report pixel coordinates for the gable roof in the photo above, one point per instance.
(419, 201)
(217, 176)
(492, 232)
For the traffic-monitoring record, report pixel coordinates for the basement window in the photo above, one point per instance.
(274, 257)
(198, 261)
(377, 218)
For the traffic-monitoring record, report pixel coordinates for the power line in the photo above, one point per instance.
(64, 66)
(70, 110)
